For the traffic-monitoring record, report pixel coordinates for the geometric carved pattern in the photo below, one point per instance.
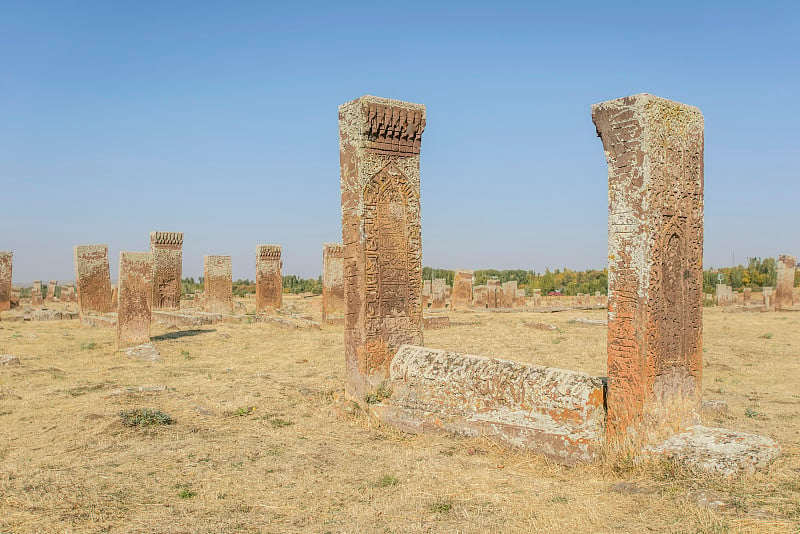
(217, 284)
(654, 149)
(332, 280)
(5, 280)
(269, 282)
(92, 279)
(166, 248)
(134, 298)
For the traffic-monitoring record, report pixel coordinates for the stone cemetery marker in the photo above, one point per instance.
(332, 280)
(135, 294)
(379, 146)
(784, 289)
(462, 289)
(480, 296)
(218, 284)
(36, 293)
(654, 150)
(509, 294)
(767, 297)
(5, 279)
(494, 293)
(167, 250)
(439, 293)
(92, 279)
(51, 291)
(269, 282)
(746, 292)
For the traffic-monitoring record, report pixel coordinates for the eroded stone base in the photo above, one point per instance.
(555, 412)
(145, 351)
(720, 451)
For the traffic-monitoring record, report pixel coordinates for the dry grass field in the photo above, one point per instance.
(263, 440)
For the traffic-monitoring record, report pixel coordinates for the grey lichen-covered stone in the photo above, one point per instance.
(8, 360)
(145, 351)
(555, 412)
(718, 450)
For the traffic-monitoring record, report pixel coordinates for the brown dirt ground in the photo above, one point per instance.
(264, 442)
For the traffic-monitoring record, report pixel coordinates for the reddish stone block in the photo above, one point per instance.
(269, 281)
(217, 284)
(332, 281)
(167, 250)
(654, 149)
(462, 290)
(480, 297)
(92, 279)
(784, 288)
(438, 294)
(135, 296)
(379, 144)
(6, 261)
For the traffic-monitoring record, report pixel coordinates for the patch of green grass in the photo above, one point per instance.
(386, 481)
(558, 499)
(88, 345)
(441, 506)
(381, 393)
(185, 354)
(277, 422)
(768, 335)
(144, 417)
(186, 492)
(754, 414)
(244, 411)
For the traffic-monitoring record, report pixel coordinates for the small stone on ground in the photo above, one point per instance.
(146, 352)
(8, 359)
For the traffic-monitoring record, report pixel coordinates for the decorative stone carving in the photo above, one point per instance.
(167, 250)
(462, 289)
(217, 284)
(92, 279)
(269, 282)
(332, 280)
(784, 288)
(6, 261)
(135, 294)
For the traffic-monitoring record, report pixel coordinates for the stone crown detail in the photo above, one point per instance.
(334, 248)
(166, 238)
(393, 129)
(269, 251)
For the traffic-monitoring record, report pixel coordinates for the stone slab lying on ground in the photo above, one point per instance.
(718, 450)
(99, 321)
(436, 322)
(8, 360)
(555, 412)
(584, 320)
(145, 351)
(714, 407)
(52, 315)
(540, 326)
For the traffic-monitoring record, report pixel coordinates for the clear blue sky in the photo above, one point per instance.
(220, 120)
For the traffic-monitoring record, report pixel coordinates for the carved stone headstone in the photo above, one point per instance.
(332, 280)
(767, 297)
(480, 296)
(654, 150)
(135, 295)
(509, 294)
(269, 281)
(784, 288)
(439, 293)
(92, 279)
(537, 298)
(36, 293)
(461, 296)
(217, 284)
(6, 261)
(494, 293)
(379, 145)
(51, 291)
(167, 250)
(746, 292)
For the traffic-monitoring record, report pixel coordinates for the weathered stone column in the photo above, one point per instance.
(784, 289)
(269, 282)
(438, 293)
(6, 261)
(92, 279)
(462, 290)
(654, 149)
(135, 295)
(217, 284)
(509, 294)
(167, 250)
(51, 291)
(494, 293)
(332, 280)
(379, 146)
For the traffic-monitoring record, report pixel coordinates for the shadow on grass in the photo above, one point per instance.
(181, 333)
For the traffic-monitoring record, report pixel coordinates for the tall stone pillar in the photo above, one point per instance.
(462, 290)
(92, 279)
(784, 289)
(167, 250)
(332, 280)
(6, 260)
(654, 150)
(269, 281)
(379, 147)
(135, 296)
(217, 284)
(438, 293)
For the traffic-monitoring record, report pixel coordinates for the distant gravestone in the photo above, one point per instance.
(509, 294)
(461, 296)
(379, 144)
(135, 296)
(438, 293)
(269, 281)
(51, 291)
(332, 280)
(92, 279)
(36, 293)
(785, 285)
(218, 284)
(654, 149)
(167, 250)
(6, 260)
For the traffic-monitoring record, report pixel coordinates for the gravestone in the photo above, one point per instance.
(92, 279)
(167, 250)
(509, 294)
(494, 293)
(36, 293)
(438, 294)
(746, 292)
(480, 296)
(654, 150)
(51, 291)
(135, 295)
(269, 281)
(379, 145)
(217, 284)
(784, 288)
(462, 289)
(332, 280)
(6, 261)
